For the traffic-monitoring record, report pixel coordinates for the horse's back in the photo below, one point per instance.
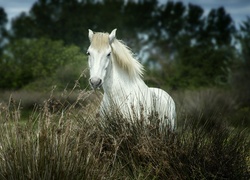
(164, 104)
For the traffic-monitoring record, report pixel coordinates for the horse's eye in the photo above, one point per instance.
(109, 54)
(87, 53)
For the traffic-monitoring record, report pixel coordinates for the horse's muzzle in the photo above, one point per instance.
(95, 82)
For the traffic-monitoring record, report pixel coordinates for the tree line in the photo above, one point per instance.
(180, 45)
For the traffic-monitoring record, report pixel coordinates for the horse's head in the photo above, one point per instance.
(99, 56)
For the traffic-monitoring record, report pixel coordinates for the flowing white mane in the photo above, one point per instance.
(122, 55)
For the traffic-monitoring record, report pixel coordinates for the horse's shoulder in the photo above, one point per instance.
(160, 93)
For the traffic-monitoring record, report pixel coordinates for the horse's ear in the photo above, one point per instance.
(91, 33)
(112, 36)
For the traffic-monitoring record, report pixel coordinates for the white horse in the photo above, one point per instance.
(113, 67)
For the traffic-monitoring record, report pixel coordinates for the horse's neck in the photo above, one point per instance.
(118, 82)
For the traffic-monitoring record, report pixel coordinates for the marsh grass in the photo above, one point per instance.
(213, 107)
(71, 142)
(51, 146)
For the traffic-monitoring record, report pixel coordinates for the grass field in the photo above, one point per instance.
(62, 138)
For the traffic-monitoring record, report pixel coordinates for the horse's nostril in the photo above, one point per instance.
(95, 82)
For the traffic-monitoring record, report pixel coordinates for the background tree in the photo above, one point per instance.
(204, 52)
(69, 20)
(241, 71)
(3, 31)
(218, 28)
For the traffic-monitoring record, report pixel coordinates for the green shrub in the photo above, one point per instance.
(29, 60)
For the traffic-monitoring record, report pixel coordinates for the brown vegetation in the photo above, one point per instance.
(72, 143)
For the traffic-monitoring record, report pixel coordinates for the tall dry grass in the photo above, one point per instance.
(71, 142)
(213, 107)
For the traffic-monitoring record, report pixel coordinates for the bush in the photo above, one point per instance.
(27, 61)
(202, 66)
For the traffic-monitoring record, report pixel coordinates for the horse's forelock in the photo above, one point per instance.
(100, 40)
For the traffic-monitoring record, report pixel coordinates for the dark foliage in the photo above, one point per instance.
(165, 33)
